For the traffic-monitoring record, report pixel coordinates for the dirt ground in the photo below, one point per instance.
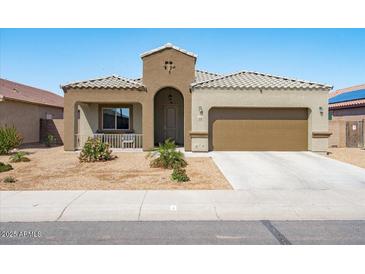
(355, 156)
(54, 169)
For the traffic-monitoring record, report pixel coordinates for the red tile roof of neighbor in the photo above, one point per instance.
(15, 91)
(353, 103)
(347, 104)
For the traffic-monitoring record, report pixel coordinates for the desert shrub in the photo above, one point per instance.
(9, 179)
(95, 150)
(5, 167)
(179, 174)
(19, 157)
(166, 156)
(49, 140)
(9, 139)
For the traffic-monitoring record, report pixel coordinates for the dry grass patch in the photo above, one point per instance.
(54, 169)
(355, 156)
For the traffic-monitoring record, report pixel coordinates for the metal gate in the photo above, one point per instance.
(355, 134)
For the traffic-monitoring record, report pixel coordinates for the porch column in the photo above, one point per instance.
(148, 126)
(70, 125)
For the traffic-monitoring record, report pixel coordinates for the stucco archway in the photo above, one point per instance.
(169, 116)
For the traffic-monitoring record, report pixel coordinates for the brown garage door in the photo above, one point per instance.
(258, 129)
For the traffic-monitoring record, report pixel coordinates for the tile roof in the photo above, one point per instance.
(138, 80)
(348, 104)
(168, 46)
(251, 79)
(15, 91)
(121, 82)
(109, 82)
(202, 76)
(244, 79)
(347, 97)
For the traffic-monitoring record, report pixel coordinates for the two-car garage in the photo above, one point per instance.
(258, 129)
(251, 111)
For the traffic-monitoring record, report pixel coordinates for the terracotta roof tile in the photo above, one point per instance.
(354, 103)
(16, 91)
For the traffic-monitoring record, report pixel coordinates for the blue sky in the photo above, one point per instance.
(46, 58)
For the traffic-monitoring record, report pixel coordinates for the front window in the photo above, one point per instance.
(116, 118)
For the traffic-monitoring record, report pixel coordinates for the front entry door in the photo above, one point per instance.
(170, 122)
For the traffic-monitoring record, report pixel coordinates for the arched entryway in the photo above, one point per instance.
(169, 116)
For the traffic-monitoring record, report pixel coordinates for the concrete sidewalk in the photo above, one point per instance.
(35, 206)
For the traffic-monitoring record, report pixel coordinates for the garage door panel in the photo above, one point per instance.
(258, 129)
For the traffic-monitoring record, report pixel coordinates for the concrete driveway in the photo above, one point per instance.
(268, 186)
(287, 171)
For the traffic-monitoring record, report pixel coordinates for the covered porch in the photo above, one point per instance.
(118, 124)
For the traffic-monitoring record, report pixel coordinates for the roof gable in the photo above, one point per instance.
(168, 46)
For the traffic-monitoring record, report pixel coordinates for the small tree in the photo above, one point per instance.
(9, 139)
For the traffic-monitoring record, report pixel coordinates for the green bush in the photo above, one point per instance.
(5, 167)
(19, 157)
(95, 150)
(179, 174)
(9, 179)
(166, 156)
(50, 139)
(9, 139)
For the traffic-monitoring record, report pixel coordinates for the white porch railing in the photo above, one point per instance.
(126, 141)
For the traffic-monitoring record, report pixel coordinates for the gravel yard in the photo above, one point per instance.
(355, 156)
(54, 169)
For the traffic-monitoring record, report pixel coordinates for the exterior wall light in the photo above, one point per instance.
(321, 110)
(200, 110)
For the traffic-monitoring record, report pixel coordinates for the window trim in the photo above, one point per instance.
(115, 122)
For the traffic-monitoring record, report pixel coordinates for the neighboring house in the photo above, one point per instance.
(23, 107)
(200, 110)
(347, 116)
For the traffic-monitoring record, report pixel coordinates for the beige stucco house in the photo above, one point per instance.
(200, 110)
(24, 107)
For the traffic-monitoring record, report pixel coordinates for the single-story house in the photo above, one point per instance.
(200, 110)
(347, 117)
(23, 107)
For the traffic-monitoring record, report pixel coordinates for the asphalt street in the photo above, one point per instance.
(184, 232)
